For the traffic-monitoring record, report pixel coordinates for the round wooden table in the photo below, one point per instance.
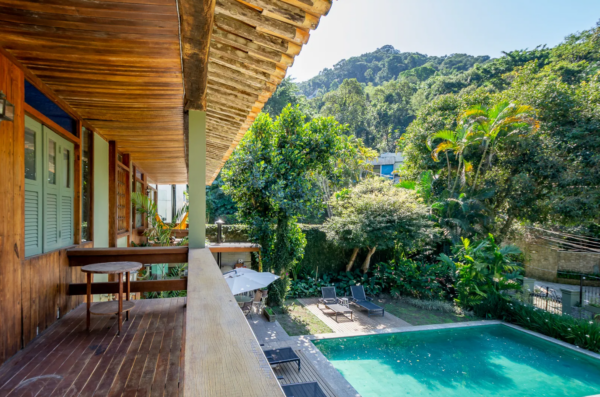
(109, 308)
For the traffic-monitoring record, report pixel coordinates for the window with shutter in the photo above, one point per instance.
(33, 187)
(66, 193)
(49, 162)
(51, 190)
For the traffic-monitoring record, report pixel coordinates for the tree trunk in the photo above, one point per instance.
(367, 262)
(449, 171)
(505, 228)
(352, 259)
(457, 175)
(479, 166)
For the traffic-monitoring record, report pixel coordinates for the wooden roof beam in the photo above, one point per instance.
(252, 48)
(251, 16)
(217, 58)
(232, 74)
(196, 29)
(315, 7)
(228, 51)
(285, 12)
(249, 32)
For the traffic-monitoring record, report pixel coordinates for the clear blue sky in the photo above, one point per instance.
(440, 27)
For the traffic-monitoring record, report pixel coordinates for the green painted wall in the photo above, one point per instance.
(197, 178)
(122, 242)
(100, 192)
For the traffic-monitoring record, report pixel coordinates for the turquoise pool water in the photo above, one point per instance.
(491, 360)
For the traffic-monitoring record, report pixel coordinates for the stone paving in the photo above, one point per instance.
(362, 324)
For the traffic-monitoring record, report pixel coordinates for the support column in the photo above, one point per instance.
(570, 299)
(197, 178)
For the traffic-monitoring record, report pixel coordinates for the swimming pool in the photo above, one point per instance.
(487, 360)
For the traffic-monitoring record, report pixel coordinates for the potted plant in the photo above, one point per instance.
(269, 314)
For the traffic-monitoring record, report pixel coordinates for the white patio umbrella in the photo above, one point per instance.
(244, 280)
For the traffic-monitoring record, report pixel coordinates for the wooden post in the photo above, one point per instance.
(89, 300)
(128, 290)
(113, 217)
(77, 187)
(197, 178)
(120, 315)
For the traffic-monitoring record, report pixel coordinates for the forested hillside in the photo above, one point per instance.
(397, 101)
(385, 64)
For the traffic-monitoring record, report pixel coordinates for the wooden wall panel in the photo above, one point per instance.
(11, 210)
(45, 285)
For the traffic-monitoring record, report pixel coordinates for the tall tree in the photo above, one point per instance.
(269, 178)
(501, 121)
(349, 105)
(375, 214)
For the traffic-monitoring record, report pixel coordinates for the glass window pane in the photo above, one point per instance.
(139, 220)
(86, 184)
(51, 162)
(66, 168)
(30, 152)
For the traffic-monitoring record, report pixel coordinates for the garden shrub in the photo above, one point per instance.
(231, 233)
(320, 255)
(403, 277)
(437, 305)
(581, 333)
(406, 277)
(483, 268)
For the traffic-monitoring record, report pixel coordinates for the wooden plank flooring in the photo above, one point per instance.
(66, 360)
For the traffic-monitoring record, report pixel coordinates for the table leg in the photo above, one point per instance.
(89, 301)
(120, 275)
(128, 275)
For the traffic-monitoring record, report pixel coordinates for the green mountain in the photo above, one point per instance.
(386, 64)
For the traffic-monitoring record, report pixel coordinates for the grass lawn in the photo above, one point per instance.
(418, 316)
(296, 320)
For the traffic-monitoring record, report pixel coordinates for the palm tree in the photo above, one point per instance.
(456, 141)
(495, 123)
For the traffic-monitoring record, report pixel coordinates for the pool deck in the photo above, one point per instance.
(362, 324)
(319, 369)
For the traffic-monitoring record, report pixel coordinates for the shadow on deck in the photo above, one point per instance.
(66, 360)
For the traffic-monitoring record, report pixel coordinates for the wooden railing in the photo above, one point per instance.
(222, 356)
(144, 255)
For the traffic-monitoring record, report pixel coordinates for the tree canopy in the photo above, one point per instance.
(270, 177)
(376, 214)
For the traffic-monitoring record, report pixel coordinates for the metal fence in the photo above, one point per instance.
(548, 299)
(589, 294)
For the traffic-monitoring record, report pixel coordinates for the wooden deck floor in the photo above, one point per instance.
(66, 360)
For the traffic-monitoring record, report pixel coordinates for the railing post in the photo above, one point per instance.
(197, 178)
(570, 299)
(581, 278)
(529, 288)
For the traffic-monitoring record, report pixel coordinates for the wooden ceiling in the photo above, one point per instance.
(118, 63)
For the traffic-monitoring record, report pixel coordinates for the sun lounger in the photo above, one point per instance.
(283, 355)
(359, 298)
(333, 303)
(308, 389)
